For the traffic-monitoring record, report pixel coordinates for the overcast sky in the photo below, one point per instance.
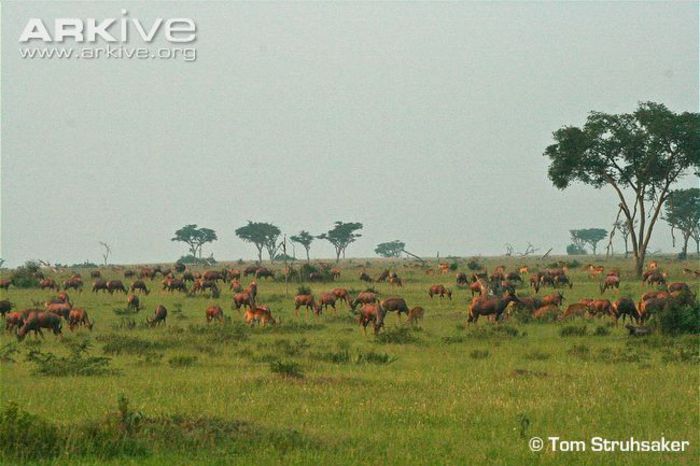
(424, 121)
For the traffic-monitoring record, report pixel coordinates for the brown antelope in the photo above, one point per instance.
(485, 305)
(415, 315)
(35, 321)
(159, 317)
(342, 294)
(625, 307)
(327, 299)
(307, 301)
(261, 315)
(214, 313)
(243, 299)
(611, 282)
(78, 317)
(370, 313)
(133, 302)
(440, 290)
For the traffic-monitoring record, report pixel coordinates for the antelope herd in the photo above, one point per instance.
(496, 296)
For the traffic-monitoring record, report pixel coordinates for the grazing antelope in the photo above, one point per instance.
(159, 317)
(214, 313)
(116, 285)
(133, 302)
(327, 299)
(342, 294)
(364, 297)
(307, 301)
(393, 304)
(243, 298)
(610, 282)
(48, 283)
(78, 317)
(415, 315)
(485, 305)
(5, 307)
(554, 298)
(625, 307)
(13, 320)
(371, 313)
(575, 310)
(440, 290)
(35, 321)
(139, 285)
(261, 315)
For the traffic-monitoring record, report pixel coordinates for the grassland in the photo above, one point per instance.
(318, 391)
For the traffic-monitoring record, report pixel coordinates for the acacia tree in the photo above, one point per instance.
(390, 249)
(589, 236)
(262, 235)
(305, 239)
(644, 152)
(683, 214)
(195, 238)
(341, 236)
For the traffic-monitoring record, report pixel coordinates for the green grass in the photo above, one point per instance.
(316, 390)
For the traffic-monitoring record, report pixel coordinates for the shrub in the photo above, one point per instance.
(601, 331)
(573, 331)
(537, 356)
(118, 344)
(7, 351)
(676, 319)
(479, 354)
(375, 358)
(286, 369)
(474, 265)
(454, 266)
(25, 276)
(25, 437)
(303, 290)
(77, 363)
(397, 335)
(182, 361)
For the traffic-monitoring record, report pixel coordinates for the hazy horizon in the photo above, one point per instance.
(426, 122)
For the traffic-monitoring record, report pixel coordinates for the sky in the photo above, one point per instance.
(425, 121)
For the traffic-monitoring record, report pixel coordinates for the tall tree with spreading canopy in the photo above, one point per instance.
(195, 238)
(262, 235)
(390, 249)
(341, 236)
(683, 214)
(305, 239)
(589, 236)
(644, 152)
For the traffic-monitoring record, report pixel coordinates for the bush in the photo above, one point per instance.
(601, 331)
(573, 331)
(474, 265)
(25, 276)
(25, 437)
(77, 363)
(397, 336)
(182, 361)
(454, 266)
(286, 369)
(375, 358)
(575, 250)
(303, 290)
(676, 319)
(479, 354)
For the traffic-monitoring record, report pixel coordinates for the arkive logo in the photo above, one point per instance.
(122, 30)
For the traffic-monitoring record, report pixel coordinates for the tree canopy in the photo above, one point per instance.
(195, 238)
(341, 236)
(683, 214)
(305, 239)
(390, 248)
(589, 236)
(645, 151)
(262, 235)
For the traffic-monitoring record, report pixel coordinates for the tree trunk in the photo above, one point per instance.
(260, 249)
(686, 237)
(308, 260)
(639, 264)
